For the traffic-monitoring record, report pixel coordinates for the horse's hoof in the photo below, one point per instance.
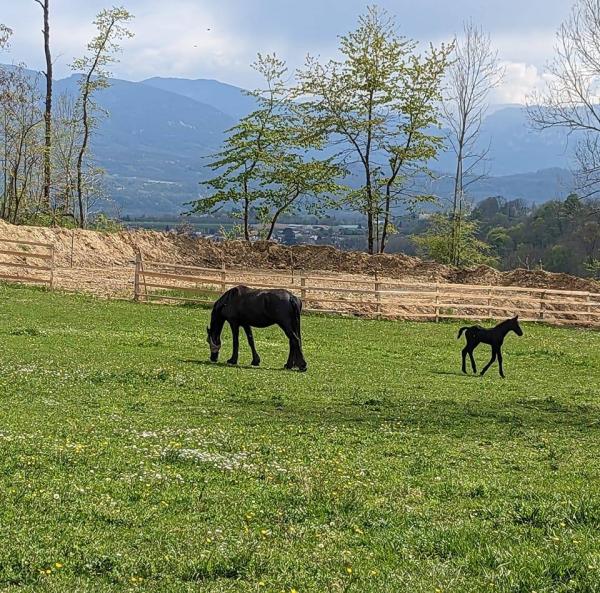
(232, 362)
(303, 369)
(255, 363)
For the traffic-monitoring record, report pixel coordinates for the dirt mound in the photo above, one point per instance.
(87, 249)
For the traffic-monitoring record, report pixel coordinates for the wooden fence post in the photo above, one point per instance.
(589, 309)
(303, 287)
(542, 304)
(136, 278)
(378, 295)
(52, 267)
(489, 303)
(223, 277)
(437, 302)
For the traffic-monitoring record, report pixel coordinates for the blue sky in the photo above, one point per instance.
(173, 37)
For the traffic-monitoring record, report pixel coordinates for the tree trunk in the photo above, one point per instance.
(369, 185)
(48, 111)
(246, 212)
(456, 208)
(279, 212)
(386, 219)
(84, 143)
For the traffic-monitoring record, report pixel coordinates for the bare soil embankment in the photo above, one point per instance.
(101, 263)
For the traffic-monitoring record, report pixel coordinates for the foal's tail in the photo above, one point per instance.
(461, 331)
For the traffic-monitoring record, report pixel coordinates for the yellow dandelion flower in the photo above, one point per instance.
(58, 565)
(349, 569)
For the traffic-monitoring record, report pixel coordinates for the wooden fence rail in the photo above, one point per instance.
(373, 297)
(15, 258)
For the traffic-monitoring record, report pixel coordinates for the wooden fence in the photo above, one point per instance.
(371, 297)
(27, 262)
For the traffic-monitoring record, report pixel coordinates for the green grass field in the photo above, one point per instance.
(127, 462)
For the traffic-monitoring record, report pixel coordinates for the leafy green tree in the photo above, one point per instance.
(102, 50)
(410, 144)
(264, 167)
(435, 245)
(367, 104)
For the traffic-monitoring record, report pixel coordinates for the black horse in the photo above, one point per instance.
(494, 337)
(247, 308)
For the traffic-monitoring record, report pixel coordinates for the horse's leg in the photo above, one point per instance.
(255, 356)
(294, 346)
(489, 364)
(235, 332)
(299, 360)
(500, 361)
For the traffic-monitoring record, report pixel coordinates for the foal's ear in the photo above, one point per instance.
(516, 317)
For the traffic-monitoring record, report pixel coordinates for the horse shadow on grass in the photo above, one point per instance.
(243, 367)
(453, 374)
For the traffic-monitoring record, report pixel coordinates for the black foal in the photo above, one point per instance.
(476, 335)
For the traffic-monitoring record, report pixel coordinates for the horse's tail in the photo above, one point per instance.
(296, 304)
(461, 331)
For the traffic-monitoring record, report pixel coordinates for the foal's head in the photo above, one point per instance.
(214, 343)
(513, 324)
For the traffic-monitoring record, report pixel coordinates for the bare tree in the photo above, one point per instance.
(66, 143)
(45, 4)
(474, 72)
(21, 145)
(101, 53)
(570, 99)
(5, 34)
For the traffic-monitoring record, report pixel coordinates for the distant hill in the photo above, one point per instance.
(229, 99)
(155, 144)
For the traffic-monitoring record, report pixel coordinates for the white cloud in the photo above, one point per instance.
(520, 81)
(172, 38)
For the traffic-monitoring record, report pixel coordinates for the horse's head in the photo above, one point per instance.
(215, 345)
(514, 325)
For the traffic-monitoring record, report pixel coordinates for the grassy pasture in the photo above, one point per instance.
(128, 463)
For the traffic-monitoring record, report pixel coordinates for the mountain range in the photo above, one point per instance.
(159, 134)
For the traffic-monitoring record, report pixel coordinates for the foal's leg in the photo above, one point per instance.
(473, 365)
(255, 356)
(489, 364)
(500, 361)
(235, 332)
(465, 350)
(468, 349)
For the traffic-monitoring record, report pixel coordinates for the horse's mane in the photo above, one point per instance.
(224, 299)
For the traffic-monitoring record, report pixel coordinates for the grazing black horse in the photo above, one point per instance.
(494, 337)
(247, 308)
